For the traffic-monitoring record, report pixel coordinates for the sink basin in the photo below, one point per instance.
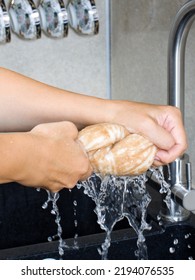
(25, 227)
(170, 243)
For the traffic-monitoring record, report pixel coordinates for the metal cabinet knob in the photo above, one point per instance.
(5, 31)
(83, 16)
(25, 20)
(54, 18)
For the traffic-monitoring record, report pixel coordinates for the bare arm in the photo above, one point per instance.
(48, 156)
(26, 103)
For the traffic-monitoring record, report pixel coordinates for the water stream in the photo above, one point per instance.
(53, 198)
(115, 198)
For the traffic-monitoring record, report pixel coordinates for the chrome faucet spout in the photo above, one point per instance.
(182, 195)
(176, 55)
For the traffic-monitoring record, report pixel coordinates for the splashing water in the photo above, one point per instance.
(53, 198)
(115, 198)
(119, 197)
(158, 174)
(75, 246)
(187, 235)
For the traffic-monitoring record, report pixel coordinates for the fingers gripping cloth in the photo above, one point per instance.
(112, 149)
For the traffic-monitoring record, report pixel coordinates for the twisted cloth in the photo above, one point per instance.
(112, 149)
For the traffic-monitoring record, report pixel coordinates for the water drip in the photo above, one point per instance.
(119, 197)
(53, 198)
(187, 235)
(175, 241)
(172, 250)
(75, 246)
(115, 198)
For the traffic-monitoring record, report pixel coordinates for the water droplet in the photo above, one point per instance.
(190, 258)
(61, 251)
(158, 217)
(187, 235)
(172, 250)
(45, 205)
(175, 241)
(76, 246)
(75, 203)
(189, 246)
(75, 223)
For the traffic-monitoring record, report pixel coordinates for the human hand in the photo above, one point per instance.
(55, 159)
(160, 124)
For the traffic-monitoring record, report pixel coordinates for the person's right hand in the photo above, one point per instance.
(55, 158)
(161, 124)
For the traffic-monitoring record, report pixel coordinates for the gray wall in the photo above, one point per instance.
(75, 63)
(140, 30)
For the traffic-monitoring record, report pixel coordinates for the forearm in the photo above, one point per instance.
(26, 103)
(13, 155)
(38, 158)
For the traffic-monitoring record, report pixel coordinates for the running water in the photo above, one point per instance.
(75, 246)
(119, 197)
(115, 198)
(53, 198)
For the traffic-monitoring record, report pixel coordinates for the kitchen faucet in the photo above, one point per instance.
(182, 193)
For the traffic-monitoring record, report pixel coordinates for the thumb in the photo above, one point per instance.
(165, 143)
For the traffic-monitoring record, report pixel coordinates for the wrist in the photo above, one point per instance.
(130, 114)
(114, 110)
